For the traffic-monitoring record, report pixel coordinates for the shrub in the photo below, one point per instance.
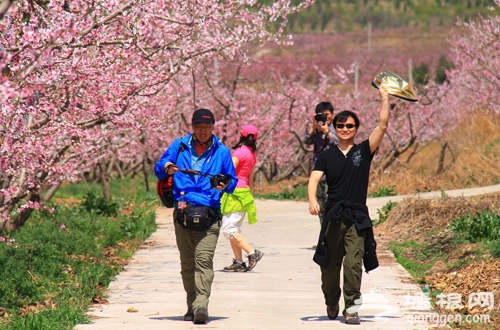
(65, 258)
(384, 212)
(99, 205)
(483, 226)
(443, 65)
(421, 74)
(494, 247)
(383, 192)
(298, 193)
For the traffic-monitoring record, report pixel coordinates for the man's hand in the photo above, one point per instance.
(221, 186)
(314, 207)
(384, 95)
(171, 168)
(321, 128)
(312, 187)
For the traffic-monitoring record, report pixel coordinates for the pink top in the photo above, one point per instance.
(246, 162)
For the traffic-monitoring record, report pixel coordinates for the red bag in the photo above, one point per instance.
(165, 189)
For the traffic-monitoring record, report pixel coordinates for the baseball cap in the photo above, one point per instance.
(203, 116)
(249, 129)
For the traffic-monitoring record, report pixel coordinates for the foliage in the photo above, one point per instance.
(421, 74)
(127, 188)
(297, 193)
(417, 258)
(475, 56)
(343, 16)
(285, 194)
(91, 82)
(443, 65)
(125, 100)
(384, 212)
(383, 192)
(482, 226)
(56, 264)
(99, 205)
(494, 247)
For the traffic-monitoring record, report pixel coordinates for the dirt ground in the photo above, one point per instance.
(427, 220)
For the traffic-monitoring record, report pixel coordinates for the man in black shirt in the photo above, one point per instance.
(346, 227)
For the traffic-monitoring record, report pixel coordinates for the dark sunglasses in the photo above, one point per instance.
(348, 126)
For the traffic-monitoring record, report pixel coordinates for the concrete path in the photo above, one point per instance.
(282, 292)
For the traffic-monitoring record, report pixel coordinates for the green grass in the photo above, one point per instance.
(384, 212)
(383, 192)
(58, 261)
(417, 258)
(479, 227)
(298, 193)
(120, 188)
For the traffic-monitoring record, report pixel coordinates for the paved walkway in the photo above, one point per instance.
(282, 292)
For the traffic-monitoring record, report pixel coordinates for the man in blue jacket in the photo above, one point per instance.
(195, 161)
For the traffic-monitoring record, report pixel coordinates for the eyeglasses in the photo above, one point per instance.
(203, 128)
(348, 126)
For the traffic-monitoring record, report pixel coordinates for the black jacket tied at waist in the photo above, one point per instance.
(357, 213)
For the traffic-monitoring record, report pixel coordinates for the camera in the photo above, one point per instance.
(216, 180)
(320, 117)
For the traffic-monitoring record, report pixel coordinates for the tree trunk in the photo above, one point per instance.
(145, 171)
(50, 193)
(23, 215)
(440, 168)
(119, 170)
(106, 188)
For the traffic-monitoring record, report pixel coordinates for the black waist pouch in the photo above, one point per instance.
(197, 217)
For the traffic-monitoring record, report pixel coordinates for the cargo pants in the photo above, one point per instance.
(346, 248)
(321, 197)
(197, 250)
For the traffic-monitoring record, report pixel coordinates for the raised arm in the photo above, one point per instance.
(379, 131)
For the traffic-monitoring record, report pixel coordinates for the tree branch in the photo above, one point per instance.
(4, 7)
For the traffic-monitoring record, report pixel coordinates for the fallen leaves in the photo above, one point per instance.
(475, 278)
(132, 310)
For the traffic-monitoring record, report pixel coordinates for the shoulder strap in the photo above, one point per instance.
(181, 148)
(325, 142)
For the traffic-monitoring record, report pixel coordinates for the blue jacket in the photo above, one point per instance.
(197, 189)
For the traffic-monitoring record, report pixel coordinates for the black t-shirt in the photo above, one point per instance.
(347, 176)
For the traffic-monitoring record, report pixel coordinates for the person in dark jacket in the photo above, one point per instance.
(321, 135)
(346, 227)
(194, 160)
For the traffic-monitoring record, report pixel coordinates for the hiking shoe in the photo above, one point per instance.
(332, 311)
(236, 267)
(189, 316)
(200, 315)
(254, 258)
(351, 318)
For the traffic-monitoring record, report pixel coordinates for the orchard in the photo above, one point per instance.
(95, 89)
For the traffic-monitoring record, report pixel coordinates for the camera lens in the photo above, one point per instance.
(320, 117)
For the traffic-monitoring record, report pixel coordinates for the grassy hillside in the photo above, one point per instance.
(336, 16)
(472, 160)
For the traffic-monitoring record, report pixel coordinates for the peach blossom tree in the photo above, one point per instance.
(80, 78)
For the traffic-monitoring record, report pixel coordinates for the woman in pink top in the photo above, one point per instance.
(235, 206)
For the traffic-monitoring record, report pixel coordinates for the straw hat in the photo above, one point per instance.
(395, 85)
